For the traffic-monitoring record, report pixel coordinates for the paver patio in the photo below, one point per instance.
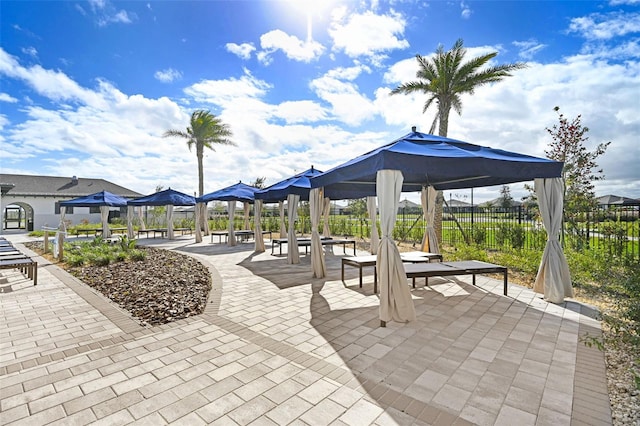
(276, 346)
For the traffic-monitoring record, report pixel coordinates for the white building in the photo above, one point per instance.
(31, 202)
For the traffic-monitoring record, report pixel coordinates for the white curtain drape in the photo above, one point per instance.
(283, 232)
(293, 255)
(316, 205)
(130, 215)
(246, 207)
(170, 222)
(553, 279)
(257, 215)
(373, 217)
(395, 297)
(62, 226)
(104, 216)
(232, 213)
(428, 201)
(198, 221)
(326, 211)
(62, 231)
(143, 226)
(204, 218)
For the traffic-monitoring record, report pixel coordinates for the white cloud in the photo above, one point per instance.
(168, 76)
(348, 105)
(291, 46)
(606, 26)
(466, 10)
(529, 48)
(105, 13)
(300, 112)
(243, 50)
(51, 84)
(225, 92)
(5, 97)
(619, 51)
(367, 34)
(30, 51)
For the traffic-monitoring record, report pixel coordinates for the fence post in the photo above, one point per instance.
(519, 215)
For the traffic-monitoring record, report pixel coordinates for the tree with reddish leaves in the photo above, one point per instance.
(580, 171)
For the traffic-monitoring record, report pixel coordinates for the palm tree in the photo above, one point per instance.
(444, 78)
(205, 130)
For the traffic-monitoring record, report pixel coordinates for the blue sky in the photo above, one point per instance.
(87, 88)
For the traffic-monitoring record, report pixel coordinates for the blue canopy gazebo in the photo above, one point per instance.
(237, 192)
(293, 190)
(418, 161)
(168, 197)
(102, 199)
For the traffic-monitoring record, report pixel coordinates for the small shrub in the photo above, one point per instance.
(99, 259)
(74, 260)
(517, 236)
(502, 234)
(137, 255)
(479, 234)
(126, 243)
(121, 256)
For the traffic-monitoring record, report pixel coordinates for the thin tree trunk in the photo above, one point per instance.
(437, 220)
(203, 216)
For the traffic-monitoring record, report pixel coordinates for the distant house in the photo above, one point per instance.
(31, 202)
(497, 202)
(607, 200)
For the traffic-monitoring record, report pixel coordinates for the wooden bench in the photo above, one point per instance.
(25, 264)
(155, 231)
(240, 235)
(306, 243)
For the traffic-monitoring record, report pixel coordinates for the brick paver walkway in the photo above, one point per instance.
(277, 347)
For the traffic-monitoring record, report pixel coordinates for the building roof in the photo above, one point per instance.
(55, 186)
(616, 199)
(497, 202)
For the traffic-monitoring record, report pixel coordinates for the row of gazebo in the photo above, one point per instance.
(415, 162)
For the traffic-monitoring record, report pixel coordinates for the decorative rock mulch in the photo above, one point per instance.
(166, 286)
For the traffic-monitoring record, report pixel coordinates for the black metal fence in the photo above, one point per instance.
(614, 229)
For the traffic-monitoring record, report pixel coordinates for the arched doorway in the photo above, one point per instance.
(18, 216)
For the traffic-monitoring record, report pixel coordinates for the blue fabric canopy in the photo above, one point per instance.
(440, 162)
(164, 198)
(238, 192)
(103, 198)
(299, 184)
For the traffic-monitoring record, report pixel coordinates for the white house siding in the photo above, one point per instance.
(44, 211)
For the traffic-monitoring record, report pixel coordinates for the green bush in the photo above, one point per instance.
(100, 253)
(479, 234)
(137, 255)
(517, 236)
(502, 234)
(75, 260)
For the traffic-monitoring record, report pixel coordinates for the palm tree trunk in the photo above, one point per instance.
(443, 112)
(203, 215)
